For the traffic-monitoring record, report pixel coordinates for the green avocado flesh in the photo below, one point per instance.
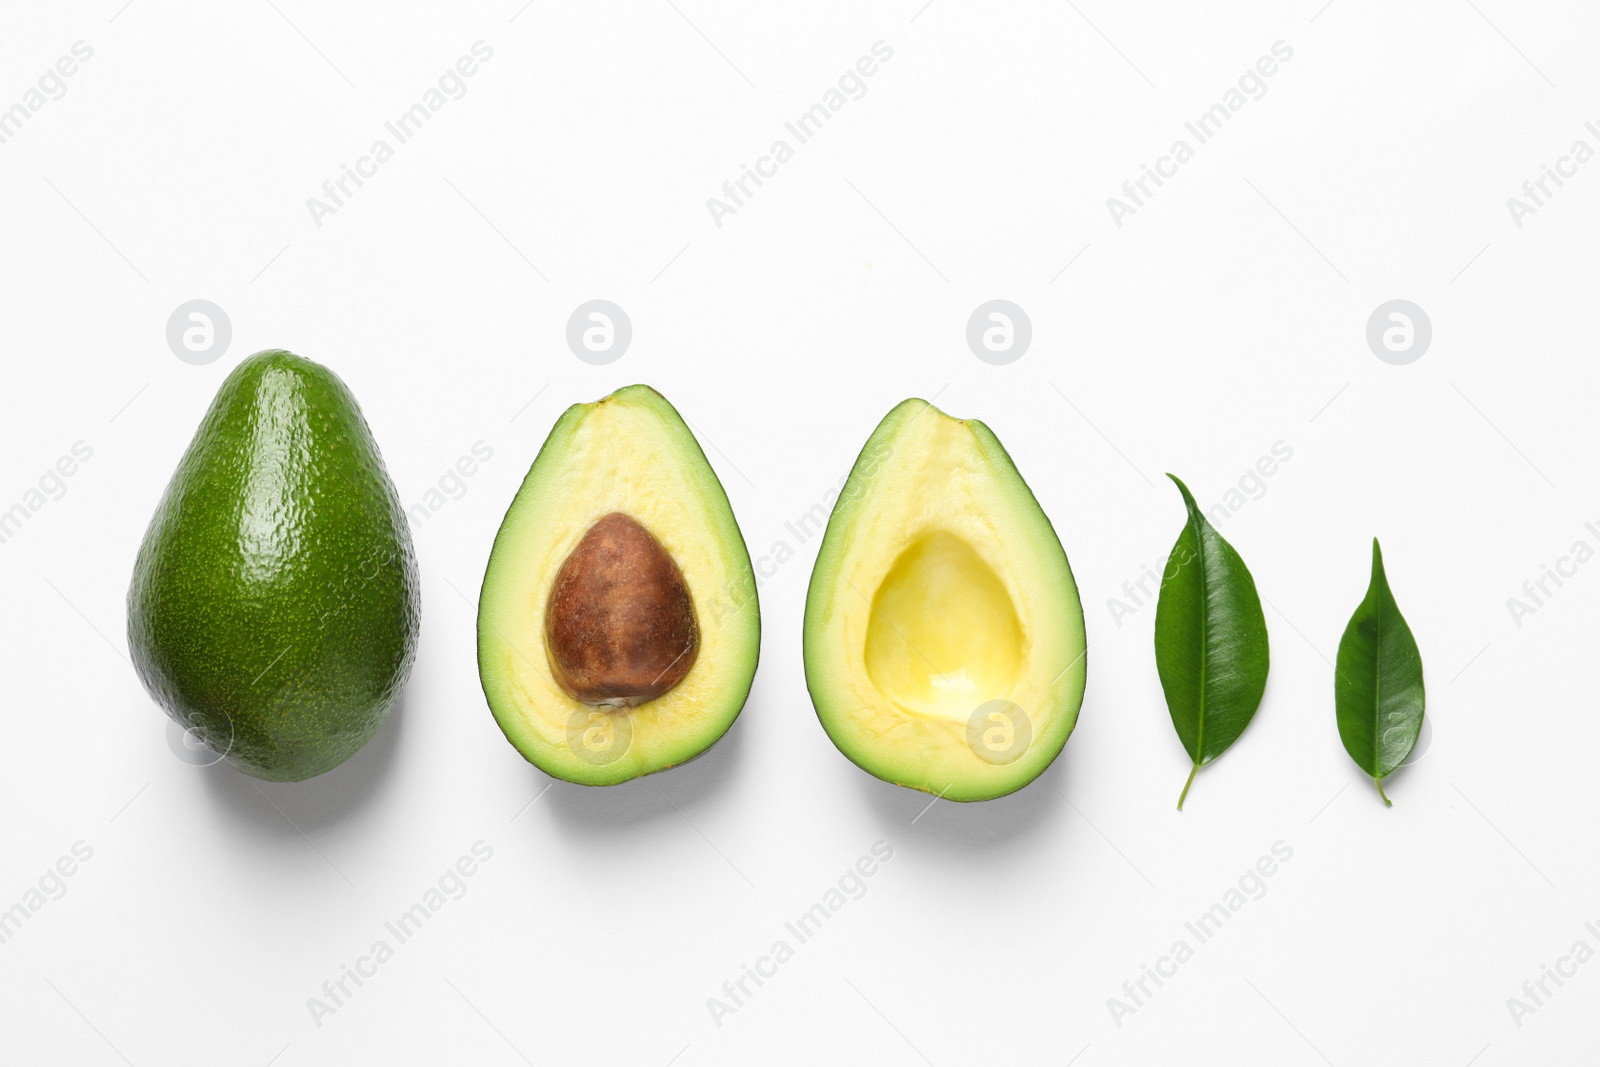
(944, 639)
(618, 627)
(274, 603)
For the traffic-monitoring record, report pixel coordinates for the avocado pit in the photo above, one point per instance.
(619, 624)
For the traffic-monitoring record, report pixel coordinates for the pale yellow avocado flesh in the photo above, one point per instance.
(944, 635)
(629, 453)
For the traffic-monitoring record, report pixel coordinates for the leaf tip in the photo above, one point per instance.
(1379, 574)
(1188, 497)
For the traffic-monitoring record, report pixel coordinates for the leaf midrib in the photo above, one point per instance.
(1377, 686)
(1205, 635)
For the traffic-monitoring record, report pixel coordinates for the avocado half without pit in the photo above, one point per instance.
(618, 627)
(944, 636)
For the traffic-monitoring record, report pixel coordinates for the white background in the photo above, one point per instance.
(1226, 315)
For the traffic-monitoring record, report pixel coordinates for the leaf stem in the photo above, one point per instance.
(1190, 782)
(1379, 783)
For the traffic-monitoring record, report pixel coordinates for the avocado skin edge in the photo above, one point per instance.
(274, 606)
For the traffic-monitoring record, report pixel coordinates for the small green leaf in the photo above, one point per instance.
(1377, 685)
(1211, 641)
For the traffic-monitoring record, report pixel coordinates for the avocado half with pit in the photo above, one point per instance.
(944, 639)
(618, 627)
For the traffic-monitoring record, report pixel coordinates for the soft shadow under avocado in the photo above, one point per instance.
(315, 803)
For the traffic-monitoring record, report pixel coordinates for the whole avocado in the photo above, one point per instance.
(274, 605)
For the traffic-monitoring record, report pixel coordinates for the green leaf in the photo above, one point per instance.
(1211, 641)
(1377, 685)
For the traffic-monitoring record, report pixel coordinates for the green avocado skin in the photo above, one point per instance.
(274, 605)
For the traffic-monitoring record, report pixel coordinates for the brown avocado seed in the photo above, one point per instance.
(619, 626)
